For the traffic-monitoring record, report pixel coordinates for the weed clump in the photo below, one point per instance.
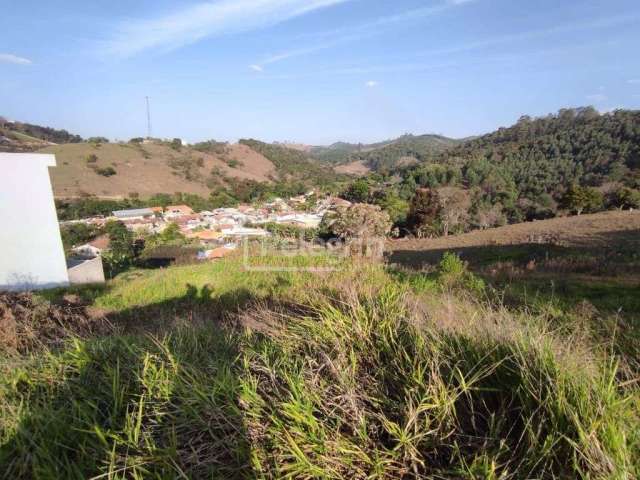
(453, 273)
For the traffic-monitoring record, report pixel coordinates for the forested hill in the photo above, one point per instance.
(525, 171)
(291, 164)
(404, 151)
(387, 155)
(574, 145)
(25, 132)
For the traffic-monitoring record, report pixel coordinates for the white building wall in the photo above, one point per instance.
(31, 252)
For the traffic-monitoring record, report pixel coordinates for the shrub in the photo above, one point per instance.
(453, 273)
(106, 172)
(176, 144)
(233, 163)
(91, 158)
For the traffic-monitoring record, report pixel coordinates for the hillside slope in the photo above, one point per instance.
(151, 168)
(620, 229)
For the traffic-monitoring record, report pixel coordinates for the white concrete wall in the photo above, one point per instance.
(88, 272)
(31, 253)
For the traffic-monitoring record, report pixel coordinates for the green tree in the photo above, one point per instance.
(583, 199)
(626, 198)
(77, 234)
(357, 192)
(424, 213)
(121, 251)
(360, 224)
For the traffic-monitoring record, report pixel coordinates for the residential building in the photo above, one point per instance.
(177, 211)
(94, 248)
(134, 214)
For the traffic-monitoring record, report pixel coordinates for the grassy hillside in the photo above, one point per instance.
(362, 372)
(151, 168)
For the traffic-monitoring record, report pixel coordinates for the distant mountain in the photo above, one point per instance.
(339, 153)
(383, 156)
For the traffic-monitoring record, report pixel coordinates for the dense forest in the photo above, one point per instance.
(572, 162)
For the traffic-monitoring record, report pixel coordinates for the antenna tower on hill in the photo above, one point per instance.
(148, 118)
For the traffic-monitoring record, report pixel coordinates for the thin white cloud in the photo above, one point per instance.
(371, 84)
(256, 68)
(9, 58)
(597, 98)
(533, 34)
(205, 19)
(328, 39)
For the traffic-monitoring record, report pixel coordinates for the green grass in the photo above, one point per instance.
(356, 373)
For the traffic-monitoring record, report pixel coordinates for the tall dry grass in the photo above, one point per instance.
(354, 374)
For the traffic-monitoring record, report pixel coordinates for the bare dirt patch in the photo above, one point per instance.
(28, 323)
(358, 167)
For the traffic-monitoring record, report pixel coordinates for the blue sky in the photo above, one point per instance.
(313, 71)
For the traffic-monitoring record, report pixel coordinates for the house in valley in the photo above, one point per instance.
(94, 248)
(134, 214)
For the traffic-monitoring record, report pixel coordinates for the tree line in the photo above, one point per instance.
(572, 162)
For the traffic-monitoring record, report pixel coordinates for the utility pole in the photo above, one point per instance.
(148, 118)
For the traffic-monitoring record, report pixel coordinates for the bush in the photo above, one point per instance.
(453, 273)
(106, 172)
(92, 158)
(176, 144)
(358, 221)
